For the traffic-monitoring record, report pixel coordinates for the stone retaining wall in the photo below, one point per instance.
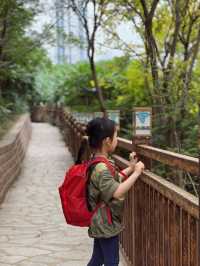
(12, 151)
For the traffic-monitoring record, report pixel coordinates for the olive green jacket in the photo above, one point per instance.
(101, 187)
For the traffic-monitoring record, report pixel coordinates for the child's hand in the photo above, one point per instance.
(139, 167)
(133, 160)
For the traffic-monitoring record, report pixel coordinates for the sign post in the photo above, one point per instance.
(142, 127)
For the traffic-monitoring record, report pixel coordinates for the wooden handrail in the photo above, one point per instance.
(125, 144)
(183, 162)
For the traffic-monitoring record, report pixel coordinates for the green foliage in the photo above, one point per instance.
(5, 109)
(78, 86)
(20, 56)
(121, 80)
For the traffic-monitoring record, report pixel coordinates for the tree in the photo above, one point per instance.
(91, 24)
(20, 53)
(170, 32)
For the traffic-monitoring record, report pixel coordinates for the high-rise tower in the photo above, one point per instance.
(60, 30)
(68, 24)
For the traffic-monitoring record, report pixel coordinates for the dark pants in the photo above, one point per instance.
(105, 252)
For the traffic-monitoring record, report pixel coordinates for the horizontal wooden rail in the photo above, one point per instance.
(183, 162)
(125, 144)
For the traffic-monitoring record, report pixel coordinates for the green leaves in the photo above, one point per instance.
(121, 79)
(20, 55)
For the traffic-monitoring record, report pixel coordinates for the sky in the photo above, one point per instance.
(47, 16)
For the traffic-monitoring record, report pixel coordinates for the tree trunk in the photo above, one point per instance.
(96, 83)
(187, 81)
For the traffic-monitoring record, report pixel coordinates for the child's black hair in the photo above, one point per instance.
(97, 130)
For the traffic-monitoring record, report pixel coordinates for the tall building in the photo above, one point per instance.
(68, 27)
(60, 27)
(54, 14)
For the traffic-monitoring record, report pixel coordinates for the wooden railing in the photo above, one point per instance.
(161, 219)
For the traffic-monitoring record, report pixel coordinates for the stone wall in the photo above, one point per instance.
(12, 151)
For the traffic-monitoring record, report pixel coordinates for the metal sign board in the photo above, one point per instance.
(142, 121)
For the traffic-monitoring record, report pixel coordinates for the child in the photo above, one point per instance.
(103, 187)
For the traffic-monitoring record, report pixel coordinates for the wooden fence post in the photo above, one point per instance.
(143, 141)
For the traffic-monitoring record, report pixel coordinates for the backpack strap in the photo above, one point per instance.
(112, 170)
(124, 175)
(100, 159)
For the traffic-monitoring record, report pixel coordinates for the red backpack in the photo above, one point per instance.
(73, 193)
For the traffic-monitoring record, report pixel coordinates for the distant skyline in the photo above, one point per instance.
(48, 16)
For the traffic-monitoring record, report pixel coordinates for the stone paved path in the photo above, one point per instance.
(32, 228)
